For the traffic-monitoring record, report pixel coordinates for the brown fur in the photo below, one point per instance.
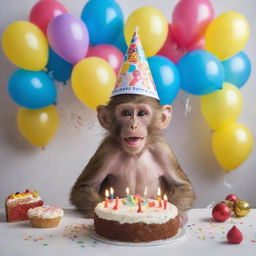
(89, 187)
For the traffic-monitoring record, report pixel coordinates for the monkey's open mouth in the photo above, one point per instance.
(133, 141)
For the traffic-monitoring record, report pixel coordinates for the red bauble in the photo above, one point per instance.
(231, 197)
(221, 212)
(234, 235)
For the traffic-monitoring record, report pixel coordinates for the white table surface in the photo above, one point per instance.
(202, 237)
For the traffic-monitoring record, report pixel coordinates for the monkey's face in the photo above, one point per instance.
(134, 121)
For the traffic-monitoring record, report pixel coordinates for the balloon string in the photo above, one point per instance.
(210, 205)
(226, 184)
(187, 106)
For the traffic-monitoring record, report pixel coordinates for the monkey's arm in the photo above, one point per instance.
(180, 189)
(85, 192)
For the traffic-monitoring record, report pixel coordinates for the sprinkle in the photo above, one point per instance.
(26, 238)
(45, 244)
(82, 246)
(80, 242)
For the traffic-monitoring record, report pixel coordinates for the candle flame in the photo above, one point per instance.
(145, 191)
(111, 191)
(107, 193)
(127, 191)
(165, 197)
(159, 192)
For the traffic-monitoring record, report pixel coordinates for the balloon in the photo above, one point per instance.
(109, 53)
(232, 145)
(222, 107)
(38, 126)
(120, 43)
(25, 45)
(190, 20)
(93, 80)
(58, 68)
(166, 78)
(68, 37)
(44, 11)
(153, 28)
(171, 49)
(201, 72)
(104, 20)
(32, 89)
(227, 35)
(237, 69)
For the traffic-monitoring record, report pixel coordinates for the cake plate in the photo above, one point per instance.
(180, 235)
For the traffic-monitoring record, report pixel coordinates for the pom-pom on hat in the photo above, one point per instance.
(135, 76)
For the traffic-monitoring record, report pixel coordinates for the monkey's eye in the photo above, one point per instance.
(126, 112)
(142, 113)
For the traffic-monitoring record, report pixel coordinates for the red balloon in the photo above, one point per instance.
(190, 20)
(234, 235)
(44, 11)
(231, 197)
(221, 212)
(109, 53)
(171, 49)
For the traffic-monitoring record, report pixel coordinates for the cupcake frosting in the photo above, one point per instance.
(45, 212)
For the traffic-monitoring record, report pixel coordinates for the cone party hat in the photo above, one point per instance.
(135, 76)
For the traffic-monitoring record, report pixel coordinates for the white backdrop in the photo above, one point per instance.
(53, 171)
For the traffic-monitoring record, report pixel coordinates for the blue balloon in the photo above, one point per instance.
(237, 69)
(120, 43)
(201, 72)
(104, 20)
(166, 77)
(32, 89)
(58, 68)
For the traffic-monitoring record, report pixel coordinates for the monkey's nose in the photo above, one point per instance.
(133, 126)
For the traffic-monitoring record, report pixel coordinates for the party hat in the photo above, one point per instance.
(135, 76)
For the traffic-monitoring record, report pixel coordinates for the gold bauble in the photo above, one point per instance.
(241, 208)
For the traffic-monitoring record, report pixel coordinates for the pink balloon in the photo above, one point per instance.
(197, 46)
(109, 53)
(171, 49)
(190, 20)
(44, 11)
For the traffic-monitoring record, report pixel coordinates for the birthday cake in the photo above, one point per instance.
(17, 205)
(142, 221)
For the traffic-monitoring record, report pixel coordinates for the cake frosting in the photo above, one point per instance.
(128, 213)
(46, 212)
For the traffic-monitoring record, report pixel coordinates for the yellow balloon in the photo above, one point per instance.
(227, 35)
(153, 28)
(93, 80)
(222, 107)
(25, 45)
(232, 145)
(38, 126)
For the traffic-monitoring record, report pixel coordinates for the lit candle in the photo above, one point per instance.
(106, 199)
(145, 201)
(165, 202)
(116, 204)
(145, 192)
(159, 198)
(129, 198)
(139, 206)
(111, 193)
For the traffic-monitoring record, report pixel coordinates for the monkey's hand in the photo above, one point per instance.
(85, 198)
(183, 219)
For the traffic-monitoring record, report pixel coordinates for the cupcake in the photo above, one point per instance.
(45, 216)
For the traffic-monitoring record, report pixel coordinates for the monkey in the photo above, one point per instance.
(133, 154)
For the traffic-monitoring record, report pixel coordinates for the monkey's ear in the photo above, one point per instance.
(165, 117)
(103, 116)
